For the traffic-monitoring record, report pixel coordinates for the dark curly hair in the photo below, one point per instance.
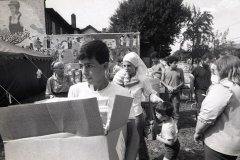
(171, 59)
(95, 49)
(154, 55)
(164, 108)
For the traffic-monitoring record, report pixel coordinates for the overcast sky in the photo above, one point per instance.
(226, 13)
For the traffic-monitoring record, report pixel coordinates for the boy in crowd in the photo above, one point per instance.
(168, 135)
(173, 80)
(94, 58)
(200, 79)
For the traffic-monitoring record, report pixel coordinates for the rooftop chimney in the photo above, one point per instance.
(73, 16)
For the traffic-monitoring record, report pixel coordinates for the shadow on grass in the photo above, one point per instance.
(185, 155)
(187, 119)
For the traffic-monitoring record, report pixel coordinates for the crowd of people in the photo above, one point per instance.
(218, 102)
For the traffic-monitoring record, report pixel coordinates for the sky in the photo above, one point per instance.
(96, 13)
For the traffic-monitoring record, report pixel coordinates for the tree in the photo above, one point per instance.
(158, 21)
(219, 42)
(198, 32)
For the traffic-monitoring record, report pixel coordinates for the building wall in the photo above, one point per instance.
(28, 28)
(55, 24)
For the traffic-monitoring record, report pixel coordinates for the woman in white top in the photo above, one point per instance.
(218, 120)
(133, 77)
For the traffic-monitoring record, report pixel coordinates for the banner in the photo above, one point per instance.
(66, 47)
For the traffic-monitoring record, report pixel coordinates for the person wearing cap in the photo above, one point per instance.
(59, 83)
(14, 20)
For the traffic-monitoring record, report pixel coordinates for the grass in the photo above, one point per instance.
(189, 150)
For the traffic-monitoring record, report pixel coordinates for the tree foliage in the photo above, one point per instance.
(158, 21)
(199, 32)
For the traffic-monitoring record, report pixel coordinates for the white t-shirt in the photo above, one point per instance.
(83, 91)
(169, 130)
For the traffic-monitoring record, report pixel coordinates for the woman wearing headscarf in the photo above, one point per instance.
(218, 121)
(133, 77)
(59, 83)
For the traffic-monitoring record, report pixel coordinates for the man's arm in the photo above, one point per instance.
(192, 78)
(200, 128)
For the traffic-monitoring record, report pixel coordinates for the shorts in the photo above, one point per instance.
(173, 97)
(172, 151)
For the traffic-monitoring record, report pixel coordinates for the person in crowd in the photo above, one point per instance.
(59, 83)
(157, 66)
(200, 79)
(218, 121)
(173, 80)
(94, 58)
(213, 67)
(133, 77)
(14, 20)
(168, 134)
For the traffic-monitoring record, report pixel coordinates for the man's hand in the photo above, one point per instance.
(170, 88)
(198, 137)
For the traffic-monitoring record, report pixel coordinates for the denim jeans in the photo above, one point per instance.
(142, 151)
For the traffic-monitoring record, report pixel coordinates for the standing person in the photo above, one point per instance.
(168, 134)
(173, 80)
(200, 79)
(59, 83)
(14, 20)
(157, 66)
(94, 58)
(157, 69)
(133, 77)
(218, 121)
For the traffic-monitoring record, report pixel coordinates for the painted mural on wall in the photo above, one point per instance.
(65, 48)
(22, 22)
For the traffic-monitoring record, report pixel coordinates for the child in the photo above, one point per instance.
(168, 134)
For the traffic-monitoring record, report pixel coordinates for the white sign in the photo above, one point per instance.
(121, 146)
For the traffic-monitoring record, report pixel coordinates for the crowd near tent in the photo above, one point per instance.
(20, 73)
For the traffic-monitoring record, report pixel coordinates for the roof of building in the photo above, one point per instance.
(90, 27)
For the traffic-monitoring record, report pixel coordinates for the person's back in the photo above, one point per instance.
(202, 78)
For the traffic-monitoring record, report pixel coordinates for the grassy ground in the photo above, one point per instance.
(189, 149)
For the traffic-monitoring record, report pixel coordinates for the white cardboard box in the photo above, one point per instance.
(66, 130)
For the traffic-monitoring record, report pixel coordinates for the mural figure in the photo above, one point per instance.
(69, 39)
(14, 20)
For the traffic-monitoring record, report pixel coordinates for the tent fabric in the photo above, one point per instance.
(11, 51)
(18, 68)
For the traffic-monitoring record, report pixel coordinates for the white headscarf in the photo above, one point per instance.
(133, 58)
